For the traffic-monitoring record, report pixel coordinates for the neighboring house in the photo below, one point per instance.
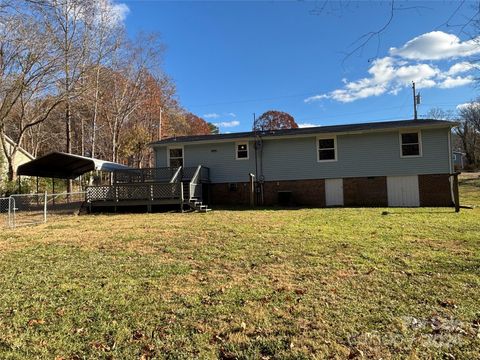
(458, 158)
(394, 163)
(22, 156)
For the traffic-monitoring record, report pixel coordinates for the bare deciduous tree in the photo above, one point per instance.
(27, 79)
(469, 132)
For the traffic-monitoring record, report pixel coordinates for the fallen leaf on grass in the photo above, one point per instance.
(60, 311)
(34, 322)
(300, 291)
(97, 345)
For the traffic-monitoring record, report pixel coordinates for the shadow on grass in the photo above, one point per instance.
(416, 211)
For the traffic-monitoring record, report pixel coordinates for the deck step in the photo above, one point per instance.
(196, 205)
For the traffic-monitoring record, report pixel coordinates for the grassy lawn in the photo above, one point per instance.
(265, 284)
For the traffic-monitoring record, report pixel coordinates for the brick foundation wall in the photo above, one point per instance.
(222, 194)
(435, 190)
(304, 192)
(361, 191)
(365, 191)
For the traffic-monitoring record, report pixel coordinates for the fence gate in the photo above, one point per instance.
(28, 209)
(6, 218)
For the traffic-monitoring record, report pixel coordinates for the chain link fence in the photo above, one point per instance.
(30, 209)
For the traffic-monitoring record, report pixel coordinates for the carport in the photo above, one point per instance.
(59, 165)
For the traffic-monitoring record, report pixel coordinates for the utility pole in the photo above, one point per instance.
(416, 101)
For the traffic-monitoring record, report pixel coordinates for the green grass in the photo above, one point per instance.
(271, 284)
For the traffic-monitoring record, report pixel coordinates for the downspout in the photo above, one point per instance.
(262, 178)
(259, 177)
(450, 166)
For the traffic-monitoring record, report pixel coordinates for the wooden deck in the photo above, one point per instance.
(150, 187)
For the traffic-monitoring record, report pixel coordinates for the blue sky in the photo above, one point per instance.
(232, 59)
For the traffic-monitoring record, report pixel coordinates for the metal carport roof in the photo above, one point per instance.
(66, 166)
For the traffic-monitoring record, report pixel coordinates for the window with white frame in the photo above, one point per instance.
(327, 149)
(175, 157)
(411, 144)
(241, 151)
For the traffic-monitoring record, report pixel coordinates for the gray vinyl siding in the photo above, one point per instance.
(371, 154)
(359, 155)
(222, 163)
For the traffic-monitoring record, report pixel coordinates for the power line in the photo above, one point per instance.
(254, 100)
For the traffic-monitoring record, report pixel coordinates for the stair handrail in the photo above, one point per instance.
(193, 181)
(176, 175)
(195, 175)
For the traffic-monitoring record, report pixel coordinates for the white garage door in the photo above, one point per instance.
(334, 192)
(403, 191)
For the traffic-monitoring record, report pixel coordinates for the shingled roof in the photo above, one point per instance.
(371, 126)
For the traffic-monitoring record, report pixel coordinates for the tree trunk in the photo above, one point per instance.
(68, 123)
(12, 171)
(95, 111)
(82, 140)
(114, 144)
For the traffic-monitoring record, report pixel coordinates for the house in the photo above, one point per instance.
(393, 163)
(458, 158)
(22, 156)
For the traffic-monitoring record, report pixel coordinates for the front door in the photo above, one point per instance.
(175, 157)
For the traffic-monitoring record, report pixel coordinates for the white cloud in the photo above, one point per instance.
(451, 82)
(460, 68)
(307, 125)
(119, 11)
(111, 12)
(391, 74)
(225, 124)
(437, 45)
(216, 115)
(211, 116)
(316, 97)
(387, 75)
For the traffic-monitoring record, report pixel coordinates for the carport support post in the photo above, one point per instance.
(44, 207)
(53, 190)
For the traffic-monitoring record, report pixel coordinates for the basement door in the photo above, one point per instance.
(334, 192)
(403, 191)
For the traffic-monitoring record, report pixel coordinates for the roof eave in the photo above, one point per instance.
(310, 134)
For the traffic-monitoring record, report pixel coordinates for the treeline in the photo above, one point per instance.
(72, 80)
(467, 134)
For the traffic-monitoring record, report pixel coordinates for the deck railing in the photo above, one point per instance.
(151, 185)
(164, 174)
(143, 175)
(134, 191)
